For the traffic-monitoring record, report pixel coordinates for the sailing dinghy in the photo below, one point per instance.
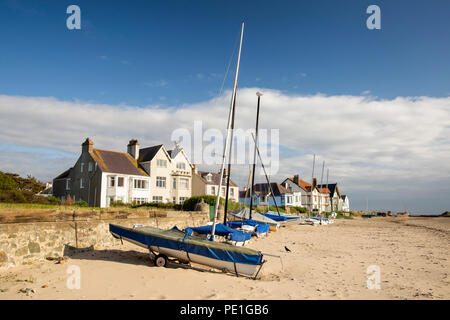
(186, 248)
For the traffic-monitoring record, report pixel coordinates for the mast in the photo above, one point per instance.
(254, 154)
(311, 205)
(233, 97)
(329, 197)
(229, 161)
(321, 187)
(267, 179)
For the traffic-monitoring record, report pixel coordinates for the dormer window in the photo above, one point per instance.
(208, 177)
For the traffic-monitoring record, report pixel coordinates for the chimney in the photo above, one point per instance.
(195, 169)
(87, 146)
(314, 183)
(133, 148)
(296, 179)
(224, 172)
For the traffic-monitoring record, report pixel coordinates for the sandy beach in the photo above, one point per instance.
(325, 262)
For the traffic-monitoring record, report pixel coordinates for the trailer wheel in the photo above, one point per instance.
(161, 260)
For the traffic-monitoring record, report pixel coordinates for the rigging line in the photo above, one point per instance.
(226, 72)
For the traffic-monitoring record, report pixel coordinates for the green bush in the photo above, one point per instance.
(172, 206)
(7, 183)
(300, 209)
(189, 204)
(119, 203)
(81, 204)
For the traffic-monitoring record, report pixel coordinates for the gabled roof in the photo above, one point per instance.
(242, 194)
(117, 162)
(331, 186)
(215, 179)
(64, 175)
(147, 154)
(323, 190)
(277, 189)
(302, 184)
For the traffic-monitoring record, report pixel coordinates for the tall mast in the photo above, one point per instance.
(230, 115)
(321, 187)
(312, 182)
(229, 161)
(267, 178)
(329, 197)
(254, 153)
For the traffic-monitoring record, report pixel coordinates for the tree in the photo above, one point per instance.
(7, 183)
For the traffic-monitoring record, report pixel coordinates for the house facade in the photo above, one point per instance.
(170, 173)
(312, 197)
(334, 196)
(207, 183)
(262, 195)
(102, 176)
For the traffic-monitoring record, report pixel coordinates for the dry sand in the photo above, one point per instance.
(325, 262)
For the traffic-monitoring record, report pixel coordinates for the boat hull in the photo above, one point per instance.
(230, 266)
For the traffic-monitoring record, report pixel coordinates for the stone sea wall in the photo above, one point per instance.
(23, 243)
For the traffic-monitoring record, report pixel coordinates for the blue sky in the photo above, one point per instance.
(172, 52)
(332, 87)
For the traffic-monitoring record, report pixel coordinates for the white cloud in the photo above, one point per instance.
(387, 150)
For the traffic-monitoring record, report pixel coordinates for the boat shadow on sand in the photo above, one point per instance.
(127, 257)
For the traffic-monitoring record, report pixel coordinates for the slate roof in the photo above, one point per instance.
(147, 154)
(277, 188)
(215, 177)
(331, 186)
(64, 175)
(117, 162)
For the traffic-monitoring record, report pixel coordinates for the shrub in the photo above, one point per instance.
(119, 203)
(300, 209)
(7, 183)
(53, 200)
(81, 204)
(189, 204)
(173, 206)
(68, 201)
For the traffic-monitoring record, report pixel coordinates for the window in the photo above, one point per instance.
(161, 182)
(67, 184)
(184, 184)
(213, 190)
(232, 192)
(81, 183)
(174, 200)
(161, 163)
(182, 199)
(208, 177)
(157, 199)
(174, 183)
(90, 166)
(81, 167)
(223, 191)
(120, 182)
(112, 181)
(140, 184)
(181, 166)
(289, 199)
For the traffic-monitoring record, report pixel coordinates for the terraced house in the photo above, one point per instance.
(140, 175)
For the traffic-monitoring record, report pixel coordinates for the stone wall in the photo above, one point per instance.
(24, 243)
